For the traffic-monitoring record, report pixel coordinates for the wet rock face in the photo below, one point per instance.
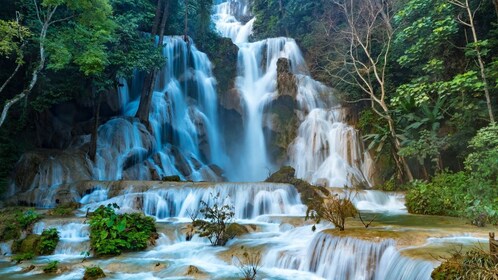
(286, 80)
(280, 119)
(43, 168)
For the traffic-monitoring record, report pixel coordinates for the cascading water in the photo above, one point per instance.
(326, 150)
(183, 119)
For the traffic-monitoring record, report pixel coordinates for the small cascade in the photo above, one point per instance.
(248, 200)
(74, 237)
(326, 151)
(349, 258)
(377, 201)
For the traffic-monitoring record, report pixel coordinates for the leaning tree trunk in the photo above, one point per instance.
(34, 76)
(149, 82)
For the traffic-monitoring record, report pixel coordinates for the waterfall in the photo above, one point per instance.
(348, 258)
(327, 150)
(248, 200)
(184, 136)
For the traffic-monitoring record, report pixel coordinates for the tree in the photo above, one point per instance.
(218, 221)
(12, 43)
(476, 45)
(148, 86)
(83, 28)
(335, 209)
(368, 38)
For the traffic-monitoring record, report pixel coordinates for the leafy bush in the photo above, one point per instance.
(28, 218)
(445, 195)
(218, 220)
(48, 241)
(472, 194)
(93, 272)
(112, 233)
(51, 267)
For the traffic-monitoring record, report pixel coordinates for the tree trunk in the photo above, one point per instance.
(34, 76)
(96, 116)
(481, 62)
(493, 246)
(149, 81)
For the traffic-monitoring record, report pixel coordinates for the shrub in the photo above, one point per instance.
(51, 267)
(218, 219)
(112, 233)
(48, 241)
(28, 218)
(93, 272)
(445, 195)
(335, 209)
(475, 264)
(248, 264)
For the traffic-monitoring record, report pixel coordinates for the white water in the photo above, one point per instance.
(326, 151)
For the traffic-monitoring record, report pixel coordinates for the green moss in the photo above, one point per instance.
(93, 272)
(64, 210)
(174, 178)
(14, 220)
(27, 245)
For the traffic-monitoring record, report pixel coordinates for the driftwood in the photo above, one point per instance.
(493, 246)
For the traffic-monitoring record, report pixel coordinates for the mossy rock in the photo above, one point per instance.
(174, 178)
(235, 230)
(94, 272)
(29, 244)
(65, 209)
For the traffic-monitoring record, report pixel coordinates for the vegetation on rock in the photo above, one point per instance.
(48, 241)
(14, 220)
(51, 267)
(93, 272)
(217, 223)
(112, 233)
(475, 264)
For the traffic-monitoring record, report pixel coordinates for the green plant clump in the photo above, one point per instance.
(48, 241)
(23, 257)
(93, 272)
(112, 233)
(51, 267)
(445, 195)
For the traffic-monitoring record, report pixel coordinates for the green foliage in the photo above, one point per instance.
(48, 241)
(23, 257)
(28, 218)
(51, 267)
(93, 272)
(12, 35)
(218, 220)
(112, 233)
(445, 195)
